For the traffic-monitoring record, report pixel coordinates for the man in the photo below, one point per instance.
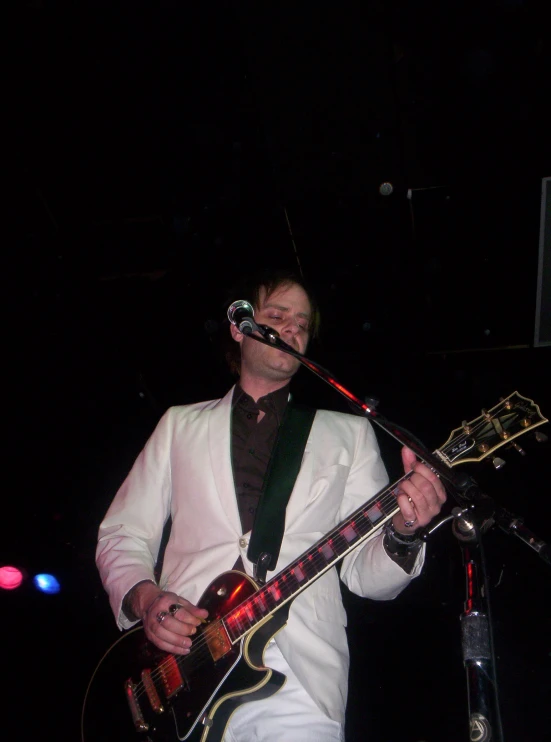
(203, 466)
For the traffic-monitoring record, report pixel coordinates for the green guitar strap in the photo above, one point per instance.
(283, 469)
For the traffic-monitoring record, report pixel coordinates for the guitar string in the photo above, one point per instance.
(500, 408)
(319, 563)
(201, 645)
(199, 649)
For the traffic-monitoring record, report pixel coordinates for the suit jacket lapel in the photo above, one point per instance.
(220, 459)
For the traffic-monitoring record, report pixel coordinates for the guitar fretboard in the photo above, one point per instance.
(512, 417)
(323, 555)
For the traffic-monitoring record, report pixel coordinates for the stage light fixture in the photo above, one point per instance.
(47, 583)
(10, 578)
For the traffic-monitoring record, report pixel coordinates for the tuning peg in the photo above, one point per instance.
(540, 437)
(508, 404)
(497, 462)
(517, 448)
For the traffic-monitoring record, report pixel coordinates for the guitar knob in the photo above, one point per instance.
(497, 462)
(540, 437)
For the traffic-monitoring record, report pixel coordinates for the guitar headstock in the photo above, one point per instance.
(499, 426)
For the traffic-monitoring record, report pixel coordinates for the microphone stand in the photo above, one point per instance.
(476, 515)
(461, 482)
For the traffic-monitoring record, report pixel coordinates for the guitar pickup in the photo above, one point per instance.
(154, 698)
(217, 640)
(137, 717)
(171, 675)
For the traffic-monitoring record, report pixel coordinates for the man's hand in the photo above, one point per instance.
(420, 497)
(168, 619)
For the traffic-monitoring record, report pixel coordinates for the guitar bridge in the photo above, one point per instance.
(137, 716)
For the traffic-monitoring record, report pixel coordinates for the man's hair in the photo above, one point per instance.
(250, 288)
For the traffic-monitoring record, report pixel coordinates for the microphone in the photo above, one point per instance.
(241, 314)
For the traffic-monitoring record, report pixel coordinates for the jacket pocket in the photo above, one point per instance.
(329, 480)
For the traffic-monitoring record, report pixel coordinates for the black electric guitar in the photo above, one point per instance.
(139, 693)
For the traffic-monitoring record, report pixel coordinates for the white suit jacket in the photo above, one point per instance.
(185, 471)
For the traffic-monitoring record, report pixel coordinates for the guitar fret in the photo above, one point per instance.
(238, 622)
(349, 533)
(368, 524)
(260, 603)
(388, 506)
(374, 513)
(287, 590)
(341, 542)
(269, 599)
(309, 567)
(249, 611)
(292, 581)
(362, 525)
(275, 592)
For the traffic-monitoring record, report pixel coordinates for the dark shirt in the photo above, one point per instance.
(252, 443)
(251, 448)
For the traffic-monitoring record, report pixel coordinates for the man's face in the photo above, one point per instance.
(288, 311)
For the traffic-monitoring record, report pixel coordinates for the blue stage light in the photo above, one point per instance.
(47, 583)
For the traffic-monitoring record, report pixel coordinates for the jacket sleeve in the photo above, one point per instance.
(369, 571)
(131, 531)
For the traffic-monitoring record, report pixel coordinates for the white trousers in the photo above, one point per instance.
(288, 716)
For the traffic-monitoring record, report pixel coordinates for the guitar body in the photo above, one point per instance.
(212, 689)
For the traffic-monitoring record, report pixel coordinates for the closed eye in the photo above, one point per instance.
(303, 325)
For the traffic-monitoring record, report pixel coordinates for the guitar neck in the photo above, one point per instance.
(511, 417)
(312, 564)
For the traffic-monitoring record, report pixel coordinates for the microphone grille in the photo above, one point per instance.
(239, 309)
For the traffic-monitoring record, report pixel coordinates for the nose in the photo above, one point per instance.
(292, 326)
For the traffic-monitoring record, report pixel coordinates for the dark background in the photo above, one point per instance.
(153, 156)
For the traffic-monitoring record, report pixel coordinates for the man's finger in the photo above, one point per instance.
(408, 458)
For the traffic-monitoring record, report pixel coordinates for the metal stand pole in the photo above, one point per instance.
(477, 515)
(476, 636)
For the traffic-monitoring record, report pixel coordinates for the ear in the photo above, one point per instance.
(236, 335)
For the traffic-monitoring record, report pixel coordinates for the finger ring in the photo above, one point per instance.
(174, 608)
(410, 523)
(161, 616)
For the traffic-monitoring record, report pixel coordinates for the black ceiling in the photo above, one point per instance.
(158, 154)
(207, 122)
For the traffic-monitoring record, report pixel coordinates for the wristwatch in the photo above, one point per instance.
(400, 544)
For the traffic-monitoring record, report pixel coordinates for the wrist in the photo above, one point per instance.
(398, 527)
(139, 598)
(399, 543)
